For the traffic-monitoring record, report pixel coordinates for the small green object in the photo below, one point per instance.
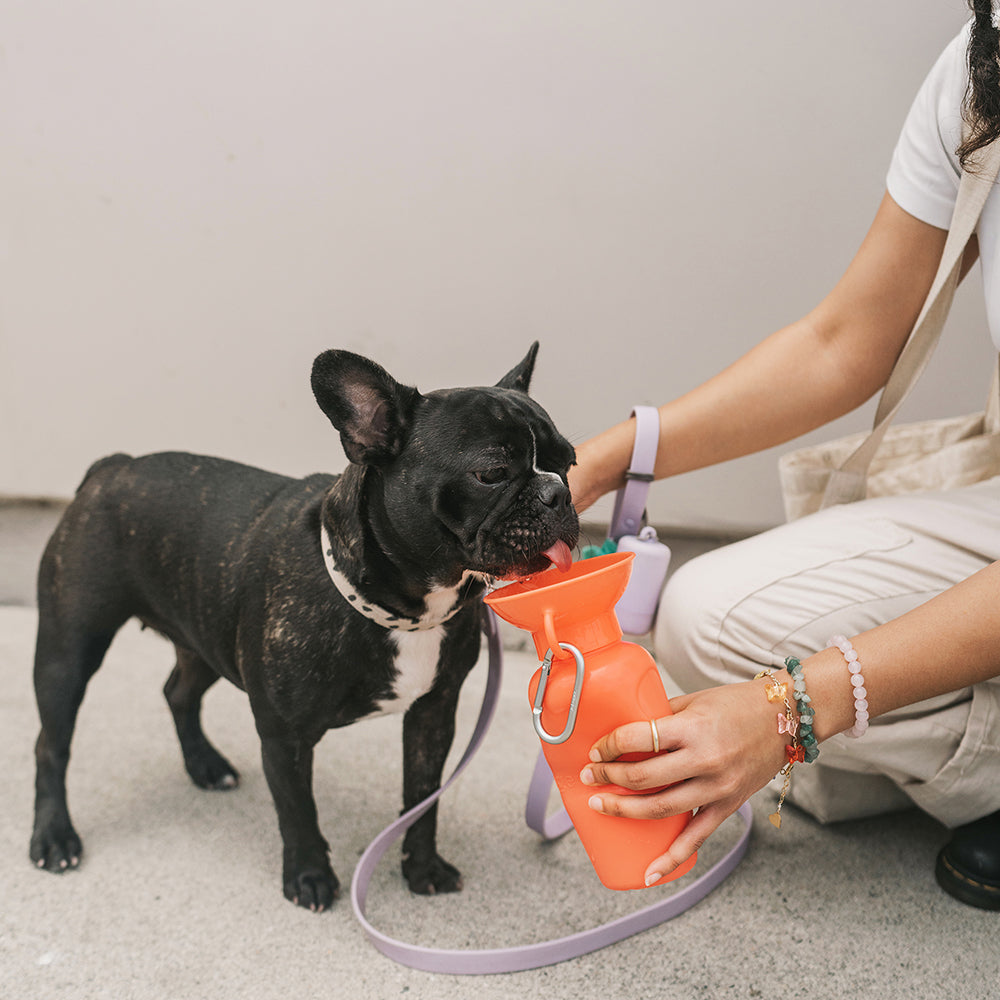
(590, 551)
(802, 701)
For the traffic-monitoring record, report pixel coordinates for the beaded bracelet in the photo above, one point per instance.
(857, 682)
(810, 745)
(776, 691)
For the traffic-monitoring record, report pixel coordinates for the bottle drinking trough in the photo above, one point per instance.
(591, 682)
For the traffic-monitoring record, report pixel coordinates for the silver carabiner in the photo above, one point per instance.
(574, 702)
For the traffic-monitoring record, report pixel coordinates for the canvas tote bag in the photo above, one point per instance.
(928, 455)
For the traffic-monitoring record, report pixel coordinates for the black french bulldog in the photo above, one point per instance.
(327, 599)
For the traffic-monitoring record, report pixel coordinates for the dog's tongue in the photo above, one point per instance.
(559, 555)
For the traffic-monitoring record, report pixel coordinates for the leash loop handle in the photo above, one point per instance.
(532, 956)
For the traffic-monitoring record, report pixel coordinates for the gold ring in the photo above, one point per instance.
(656, 735)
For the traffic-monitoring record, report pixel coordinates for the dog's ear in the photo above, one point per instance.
(519, 377)
(372, 411)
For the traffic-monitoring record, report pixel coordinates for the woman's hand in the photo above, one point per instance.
(719, 747)
(598, 469)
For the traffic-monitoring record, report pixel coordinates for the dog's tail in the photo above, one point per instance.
(116, 460)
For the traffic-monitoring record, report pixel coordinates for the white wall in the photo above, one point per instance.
(199, 197)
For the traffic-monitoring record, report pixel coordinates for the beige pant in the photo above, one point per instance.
(726, 614)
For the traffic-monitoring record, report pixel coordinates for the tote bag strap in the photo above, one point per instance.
(991, 419)
(848, 483)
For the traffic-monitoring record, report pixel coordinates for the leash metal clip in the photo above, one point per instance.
(574, 703)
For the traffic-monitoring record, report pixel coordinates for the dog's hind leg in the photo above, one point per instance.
(64, 663)
(184, 689)
(81, 605)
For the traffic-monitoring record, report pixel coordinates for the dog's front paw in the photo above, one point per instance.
(56, 850)
(429, 877)
(312, 888)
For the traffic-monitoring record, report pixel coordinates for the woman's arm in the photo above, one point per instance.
(722, 744)
(801, 377)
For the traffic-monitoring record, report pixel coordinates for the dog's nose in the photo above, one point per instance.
(553, 492)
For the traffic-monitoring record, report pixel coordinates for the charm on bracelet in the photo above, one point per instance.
(788, 725)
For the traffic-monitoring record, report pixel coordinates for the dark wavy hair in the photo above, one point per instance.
(981, 109)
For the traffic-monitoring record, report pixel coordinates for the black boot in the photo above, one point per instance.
(968, 866)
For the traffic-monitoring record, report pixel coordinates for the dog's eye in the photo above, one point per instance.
(492, 477)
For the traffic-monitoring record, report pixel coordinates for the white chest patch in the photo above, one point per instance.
(419, 652)
(417, 640)
(416, 665)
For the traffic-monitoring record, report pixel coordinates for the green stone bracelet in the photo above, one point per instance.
(804, 704)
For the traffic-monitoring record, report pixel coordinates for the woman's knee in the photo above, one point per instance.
(717, 622)
(692, 609)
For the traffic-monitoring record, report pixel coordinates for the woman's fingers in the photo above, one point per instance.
(608, 768)
(639, 775)
(704, 823)
(685, 796)
(634, 737)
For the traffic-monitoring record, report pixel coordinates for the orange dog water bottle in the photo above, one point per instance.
(591, 682)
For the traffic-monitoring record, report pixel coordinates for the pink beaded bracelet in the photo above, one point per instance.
(857, 682)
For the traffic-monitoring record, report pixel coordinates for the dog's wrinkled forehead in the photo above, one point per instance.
(504, 423)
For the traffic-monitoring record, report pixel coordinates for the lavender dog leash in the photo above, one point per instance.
(533, 956)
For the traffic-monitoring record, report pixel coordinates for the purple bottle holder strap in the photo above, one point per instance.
(630, 500)
(532, 956)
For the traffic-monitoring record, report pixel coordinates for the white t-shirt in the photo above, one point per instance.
(924, 173)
